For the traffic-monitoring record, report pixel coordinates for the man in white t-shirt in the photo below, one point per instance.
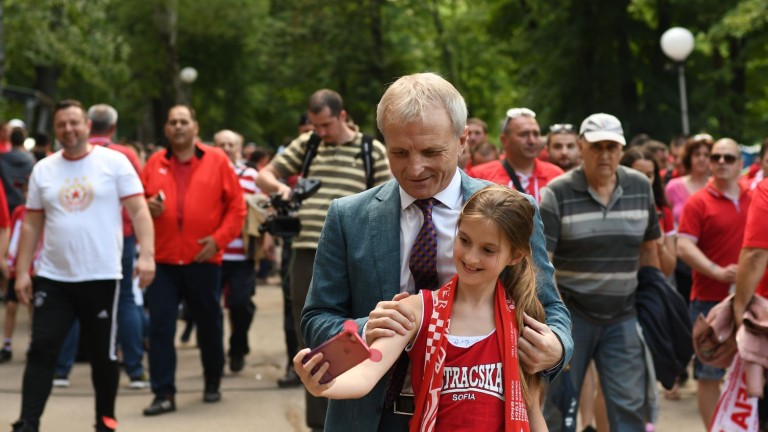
(75, 196)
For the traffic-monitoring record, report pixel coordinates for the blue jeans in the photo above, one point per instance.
(130, 335)
(199, 285)
(618, 355)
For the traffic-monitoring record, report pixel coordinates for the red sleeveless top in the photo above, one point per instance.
(472, 395)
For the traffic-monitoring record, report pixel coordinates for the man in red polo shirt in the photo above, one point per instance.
(751, 277)
(520, 168)
(709, 240)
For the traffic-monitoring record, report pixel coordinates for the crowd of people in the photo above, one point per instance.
(500, 284)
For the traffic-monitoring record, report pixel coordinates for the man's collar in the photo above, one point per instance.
(357, 139)
(199, 152)
(100, 140)
(717, 193)
(449, 197)
(580, 178)
(534, 168)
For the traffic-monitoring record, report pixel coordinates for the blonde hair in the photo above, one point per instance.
(411, 97)
(513, 214)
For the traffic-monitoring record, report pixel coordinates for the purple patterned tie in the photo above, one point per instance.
(423, 265)
(423, 260)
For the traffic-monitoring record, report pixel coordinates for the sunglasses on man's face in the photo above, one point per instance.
(561, 128)
(728, 158)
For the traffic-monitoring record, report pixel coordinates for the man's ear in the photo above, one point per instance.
(463, 139)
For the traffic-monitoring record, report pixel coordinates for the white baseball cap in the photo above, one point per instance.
(602, 127)
(16, 123)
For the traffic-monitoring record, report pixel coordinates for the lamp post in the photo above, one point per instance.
(677, 44)
(188, 75)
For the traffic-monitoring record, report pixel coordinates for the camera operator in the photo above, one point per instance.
(346, 162)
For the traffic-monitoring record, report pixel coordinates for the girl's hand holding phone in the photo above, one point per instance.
(304, 370)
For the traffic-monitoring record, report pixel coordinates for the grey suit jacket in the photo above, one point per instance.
(358, 264)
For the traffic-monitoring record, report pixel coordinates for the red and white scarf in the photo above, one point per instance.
(427, 401)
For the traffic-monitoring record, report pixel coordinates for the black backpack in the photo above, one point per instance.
(366, 150)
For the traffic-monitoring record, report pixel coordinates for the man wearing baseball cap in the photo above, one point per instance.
(601, 225)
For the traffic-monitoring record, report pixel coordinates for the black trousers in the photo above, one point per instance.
(198, 285)
(289, 329)
(301, 276)
(56, 306)
(240, 276)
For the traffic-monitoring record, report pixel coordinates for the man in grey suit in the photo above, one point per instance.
(362, 257)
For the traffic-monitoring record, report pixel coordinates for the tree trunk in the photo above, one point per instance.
(738, 86)
(166, 17)
(445, 48)
(46, 78)
(2, 45)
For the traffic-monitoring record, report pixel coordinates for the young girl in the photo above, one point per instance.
(463, 347)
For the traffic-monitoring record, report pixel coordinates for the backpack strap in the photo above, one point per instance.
(366, 153)
(312, 146)
(367, 150)
(513, 176)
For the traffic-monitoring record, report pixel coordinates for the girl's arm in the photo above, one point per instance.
(360, 380)
(535, 416)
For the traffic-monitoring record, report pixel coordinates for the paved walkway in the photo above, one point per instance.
(251, 400)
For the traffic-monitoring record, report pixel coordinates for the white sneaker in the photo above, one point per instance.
(60, 382)
(139, 383)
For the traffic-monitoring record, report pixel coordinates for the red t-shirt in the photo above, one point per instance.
(133, 159)
(716, 224)
(543, 173)
(755, 232)
(473, 384)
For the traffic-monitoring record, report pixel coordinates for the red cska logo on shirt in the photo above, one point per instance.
(76, 194)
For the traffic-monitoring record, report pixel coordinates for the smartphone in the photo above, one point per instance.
(343, 352)
(161, 195)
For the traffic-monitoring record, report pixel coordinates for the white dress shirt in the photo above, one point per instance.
(445, 214)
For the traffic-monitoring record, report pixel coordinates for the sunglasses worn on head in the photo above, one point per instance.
(514, 113)
(518, 112)
(561, 128)
(728, 158)
(703, 137)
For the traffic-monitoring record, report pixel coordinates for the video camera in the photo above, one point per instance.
(286, 223)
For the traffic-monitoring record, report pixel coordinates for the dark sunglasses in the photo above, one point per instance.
(728, 158)
(561, 128)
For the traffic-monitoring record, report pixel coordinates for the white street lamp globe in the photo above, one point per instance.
(188, 75)
(677, 43)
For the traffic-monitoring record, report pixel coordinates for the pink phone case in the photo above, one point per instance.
(343, 352)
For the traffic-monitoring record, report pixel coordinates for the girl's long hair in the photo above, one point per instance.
(513, 214)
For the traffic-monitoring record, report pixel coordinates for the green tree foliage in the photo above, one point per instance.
(259, 60)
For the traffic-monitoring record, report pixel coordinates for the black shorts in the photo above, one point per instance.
(10, 294)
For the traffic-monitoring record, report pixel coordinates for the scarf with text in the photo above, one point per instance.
(427, 401)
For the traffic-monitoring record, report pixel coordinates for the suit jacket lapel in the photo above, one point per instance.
(384, 214)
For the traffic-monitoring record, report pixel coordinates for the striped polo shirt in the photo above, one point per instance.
(246, 175)
(341, 172)
(596, 247)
